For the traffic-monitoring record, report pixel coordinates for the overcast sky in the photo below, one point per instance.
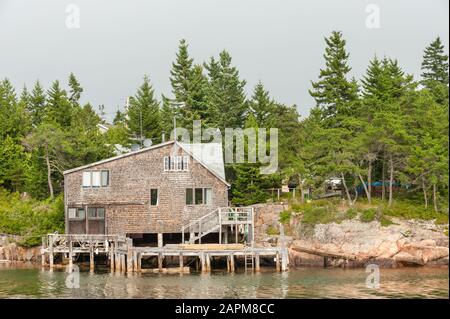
(278, 42)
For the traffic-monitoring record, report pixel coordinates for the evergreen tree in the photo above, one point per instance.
(261, 105)
(435, 64)
(334, 91)
(75, 90)
(226, 101)
(58, 108)
(143, 114)
(37, 104)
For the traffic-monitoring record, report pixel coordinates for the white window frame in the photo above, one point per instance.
(86, 179)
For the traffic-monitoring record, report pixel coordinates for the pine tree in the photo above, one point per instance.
(261, 105)
(435, 64)
(75, 90)
(143, 114)
(37, 104)
(226, 100)
(334, 91)
(189, 88)
(58, 108)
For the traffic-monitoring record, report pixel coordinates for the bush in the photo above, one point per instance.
(384, 221)
(285, 216)
(272, 230)
(351, 213)
(30, 219)
(368, 215)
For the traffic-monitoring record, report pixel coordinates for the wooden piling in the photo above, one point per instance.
(208, 262)
(160, 262)
(139, 263)
(257, 268)
(135, 262)
(181, 263)
(111, 257)
(91, 258)
(70, 255)
(232, 268)
(277, 261)
(122, 262)
(50, 255)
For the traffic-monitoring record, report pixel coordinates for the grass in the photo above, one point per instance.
(325, 211)
(30, 218)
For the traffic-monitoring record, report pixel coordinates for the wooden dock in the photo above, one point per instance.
(122, 256)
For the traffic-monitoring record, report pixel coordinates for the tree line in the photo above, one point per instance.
(386, 126)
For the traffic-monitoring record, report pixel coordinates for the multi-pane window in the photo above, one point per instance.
(95, 178)
(154, 197)
(176, 163)
(198, 196)
(76, 213)
(96, 212)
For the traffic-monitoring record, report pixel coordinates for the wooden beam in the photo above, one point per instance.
(160, 262)
(91, 258)
(70, 255)
(181, 262)
(277, 261)
(232, 263)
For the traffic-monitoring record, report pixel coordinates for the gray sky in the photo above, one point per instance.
(278, 42)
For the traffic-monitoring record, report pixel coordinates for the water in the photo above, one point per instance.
(32, 282)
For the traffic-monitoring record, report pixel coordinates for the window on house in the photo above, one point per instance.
(105, 178)
(96, 212)
(76, 213)
(86, 179)
(176, 163)
(207, 195)
(153, 197)
(189, 196)
(96, 179)
(198, 196)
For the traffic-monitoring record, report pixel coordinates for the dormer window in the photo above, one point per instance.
(176, 163)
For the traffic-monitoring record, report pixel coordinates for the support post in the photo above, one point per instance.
(50, 255)
(220, 226)
(181, 262)
(202, 260)
(122, 262)
(111, 257)
(277, 261)
(228, 264)
(160, 262)
(232, 262)
(135, 261)
(160, 239)
(70, 254)
(226, 235)
(208, 263)
(91, 258)
(139, 262)
(257, 268)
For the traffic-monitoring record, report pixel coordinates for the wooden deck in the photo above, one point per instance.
(123, 256)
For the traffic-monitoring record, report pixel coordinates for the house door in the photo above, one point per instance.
(96, 220)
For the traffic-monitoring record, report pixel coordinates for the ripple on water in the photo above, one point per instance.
(28, 282)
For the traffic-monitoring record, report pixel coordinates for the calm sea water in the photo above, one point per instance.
(29, 282)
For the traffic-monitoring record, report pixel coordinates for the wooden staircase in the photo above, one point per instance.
(213, 222)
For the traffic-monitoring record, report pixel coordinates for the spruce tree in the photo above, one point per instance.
(333, 91)
(75, 90)
(144, 118)
(261, 105)
(435, 64)
(58, 109)
(37, 104)
(226, 100)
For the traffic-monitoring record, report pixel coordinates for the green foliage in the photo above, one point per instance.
(368, 215)
(30, 219)
(272, 230)
(285, 216)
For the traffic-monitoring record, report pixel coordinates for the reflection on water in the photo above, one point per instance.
(28, 282)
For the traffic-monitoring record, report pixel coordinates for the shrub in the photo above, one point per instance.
(351, 213)
(272, 230)
(285, 216)
(384, 221)
(30, 219)
(368, 215)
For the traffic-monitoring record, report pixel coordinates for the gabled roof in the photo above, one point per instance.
(209, 155)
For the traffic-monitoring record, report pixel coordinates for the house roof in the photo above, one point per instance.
(209, 155)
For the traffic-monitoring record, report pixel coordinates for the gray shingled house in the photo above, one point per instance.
(149, 194)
